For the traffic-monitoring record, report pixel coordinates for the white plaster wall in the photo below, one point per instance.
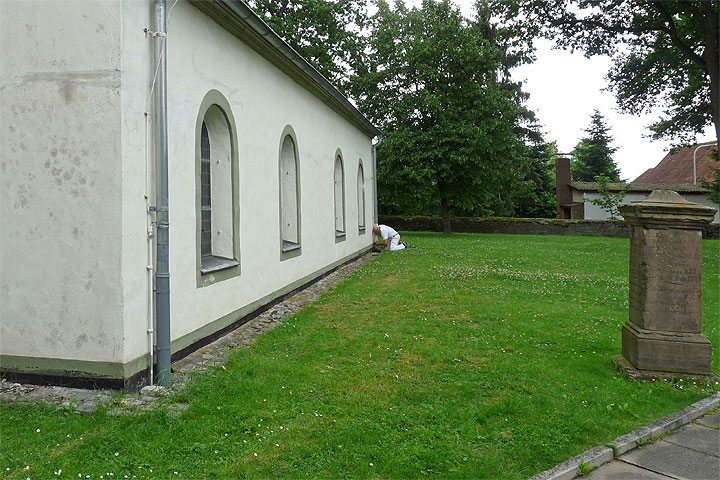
(61, 294)
(201, 57)
(78, 175)
(595, 212)
(138, 177)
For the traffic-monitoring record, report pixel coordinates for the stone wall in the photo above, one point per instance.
(528, 226)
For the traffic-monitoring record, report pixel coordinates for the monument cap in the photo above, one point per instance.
(667, 207)
(666, 196)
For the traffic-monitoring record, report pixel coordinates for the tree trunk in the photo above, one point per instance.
(445, 213)
(710, 56)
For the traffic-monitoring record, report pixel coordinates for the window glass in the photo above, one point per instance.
(216, 191)
(289, 194)
(339, 188)
(361, 196)
(205, 205)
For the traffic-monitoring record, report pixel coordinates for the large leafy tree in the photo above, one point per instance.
(432, 84)
(325, 32)
(666, 52)
(593, 154)
(535, 195)
(713, 187)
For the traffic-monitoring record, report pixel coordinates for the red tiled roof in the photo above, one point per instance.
(678, 167)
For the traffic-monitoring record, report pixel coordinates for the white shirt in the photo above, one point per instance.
(387, 232)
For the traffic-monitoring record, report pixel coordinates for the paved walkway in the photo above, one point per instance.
(691, 452)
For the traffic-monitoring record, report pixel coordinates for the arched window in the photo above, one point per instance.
(361, 196)
(289, 194)
(205, 194)
(217, 199)
(339, 189)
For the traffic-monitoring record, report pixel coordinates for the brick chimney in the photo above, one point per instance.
(562, 186)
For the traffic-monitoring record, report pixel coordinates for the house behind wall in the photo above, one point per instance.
(586, 192)
(575, 199)
(78, 175)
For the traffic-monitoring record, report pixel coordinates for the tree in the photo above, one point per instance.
(431, 84)
(713, 187)
(334, 37)
(533, 189)
(609, 201)
(666, 52)
(593, 154)
(324, 32)
(535, 197)
(713, 183)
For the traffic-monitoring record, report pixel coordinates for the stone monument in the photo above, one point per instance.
(664, 331)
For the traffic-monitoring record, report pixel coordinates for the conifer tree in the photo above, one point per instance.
(593, 154)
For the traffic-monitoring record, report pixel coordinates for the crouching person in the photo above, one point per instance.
(390, 238)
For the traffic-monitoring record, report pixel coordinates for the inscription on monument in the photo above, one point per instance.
(666, 280)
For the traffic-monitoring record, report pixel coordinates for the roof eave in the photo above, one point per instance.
(241, 21)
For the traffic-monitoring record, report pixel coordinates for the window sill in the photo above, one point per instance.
(289, 246)
(211, 263)
(361, 230)
(339, 234)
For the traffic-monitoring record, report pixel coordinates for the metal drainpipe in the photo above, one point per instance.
(376, 219)
(162, 270)
(694, 165)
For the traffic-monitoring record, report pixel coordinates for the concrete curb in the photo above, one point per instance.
(603, 454)
(645, 434)
(569, 468)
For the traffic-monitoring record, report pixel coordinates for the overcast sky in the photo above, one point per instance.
(564, 90)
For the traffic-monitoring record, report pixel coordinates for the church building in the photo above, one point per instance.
(270, 182)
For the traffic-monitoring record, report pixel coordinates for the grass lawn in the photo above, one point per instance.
(474, 356)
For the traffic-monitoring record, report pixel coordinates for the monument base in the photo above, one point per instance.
(633, 373)
(663, 351)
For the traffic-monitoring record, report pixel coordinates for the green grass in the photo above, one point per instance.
(474, 356)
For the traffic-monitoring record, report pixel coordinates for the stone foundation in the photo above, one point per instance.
(666, 351)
